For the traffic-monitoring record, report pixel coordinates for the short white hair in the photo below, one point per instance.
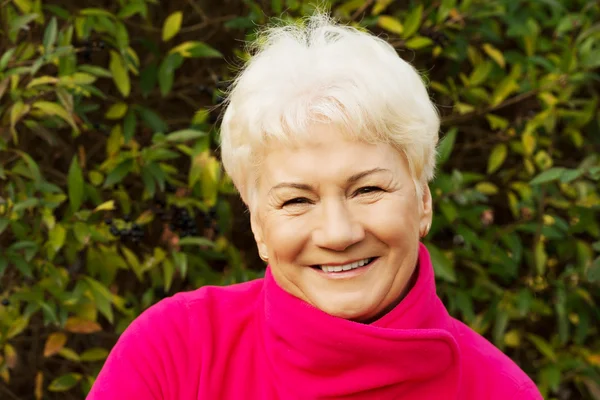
(318, 71)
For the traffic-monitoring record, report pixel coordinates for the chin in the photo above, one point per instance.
(346, 309)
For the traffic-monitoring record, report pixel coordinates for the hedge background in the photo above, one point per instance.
(112, 195)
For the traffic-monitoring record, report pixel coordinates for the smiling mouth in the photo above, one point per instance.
(346, 267)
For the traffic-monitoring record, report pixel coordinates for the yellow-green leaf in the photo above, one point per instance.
(18, 326)
(497, 157)
(65, 382)
(116, 111)
(119, 73)
(106, 206)
(18, 111)
(529, 142)
(380, 6)
(42, 80)
(69, 354)
(494, 54)
(55, 342)
(56, 237)
(390, 24)
(418, 42)
(486, 188)
(172, 25)
(51, 108)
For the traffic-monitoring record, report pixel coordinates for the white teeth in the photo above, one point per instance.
(346, 267)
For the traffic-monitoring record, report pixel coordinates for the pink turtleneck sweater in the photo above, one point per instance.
(255, 341)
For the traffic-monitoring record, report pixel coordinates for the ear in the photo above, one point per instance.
(258, 234)
(426, 205)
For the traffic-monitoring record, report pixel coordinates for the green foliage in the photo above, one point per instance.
(112, 195)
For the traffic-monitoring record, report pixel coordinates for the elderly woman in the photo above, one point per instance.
(330, 138)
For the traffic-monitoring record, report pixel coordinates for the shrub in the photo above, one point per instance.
(112, 195)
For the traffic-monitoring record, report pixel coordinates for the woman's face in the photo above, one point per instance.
(333, 205)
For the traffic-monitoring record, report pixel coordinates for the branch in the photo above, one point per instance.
(361, 9)
(455, 119)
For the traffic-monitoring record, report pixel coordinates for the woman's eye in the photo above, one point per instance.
(368, 190)
(297, 200)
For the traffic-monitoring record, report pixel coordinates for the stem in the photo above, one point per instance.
(361, 9)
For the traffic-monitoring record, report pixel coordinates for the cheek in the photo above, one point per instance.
(286, 237)
(392, 220)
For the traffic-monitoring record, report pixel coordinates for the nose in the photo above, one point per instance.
(337, 229)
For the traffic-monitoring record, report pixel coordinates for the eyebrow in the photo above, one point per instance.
(353, 179)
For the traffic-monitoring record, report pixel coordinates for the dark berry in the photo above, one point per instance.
(129, 304)
(114, 231)
(126, 217)
(108, 221)
(5, 302)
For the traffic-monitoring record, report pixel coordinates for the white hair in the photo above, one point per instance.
(317, 71)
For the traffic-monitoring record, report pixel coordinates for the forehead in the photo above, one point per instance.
(327, 153)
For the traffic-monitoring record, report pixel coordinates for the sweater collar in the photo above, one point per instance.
(409, 350)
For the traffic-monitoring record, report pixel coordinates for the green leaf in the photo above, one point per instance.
(570, 175)
(197, 241)
(19, 23)
(543, 346)
(50, 35)
(22, 266)
(418, 42)
(444, 10)
(119, 73)
(168, 272)
(102, 297)
(172, 25)
(64, 382)
(549, 175)
(153, 120)
(442, 265)
(3, 224)
(75, 184)
(181, 262)
(95, 70)
(121, 36)
(148, 78)
(480, 73)
(129, 125)
(118, 173)
(166, 72)
(94, 354)
(390, 24)
(593, 273)
(413, 21)
(131, 9)
(497, 157)
(6, 58)
(446, 145)
(185, 135)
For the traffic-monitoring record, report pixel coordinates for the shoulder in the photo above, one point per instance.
(198, 310)
(487, 370)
